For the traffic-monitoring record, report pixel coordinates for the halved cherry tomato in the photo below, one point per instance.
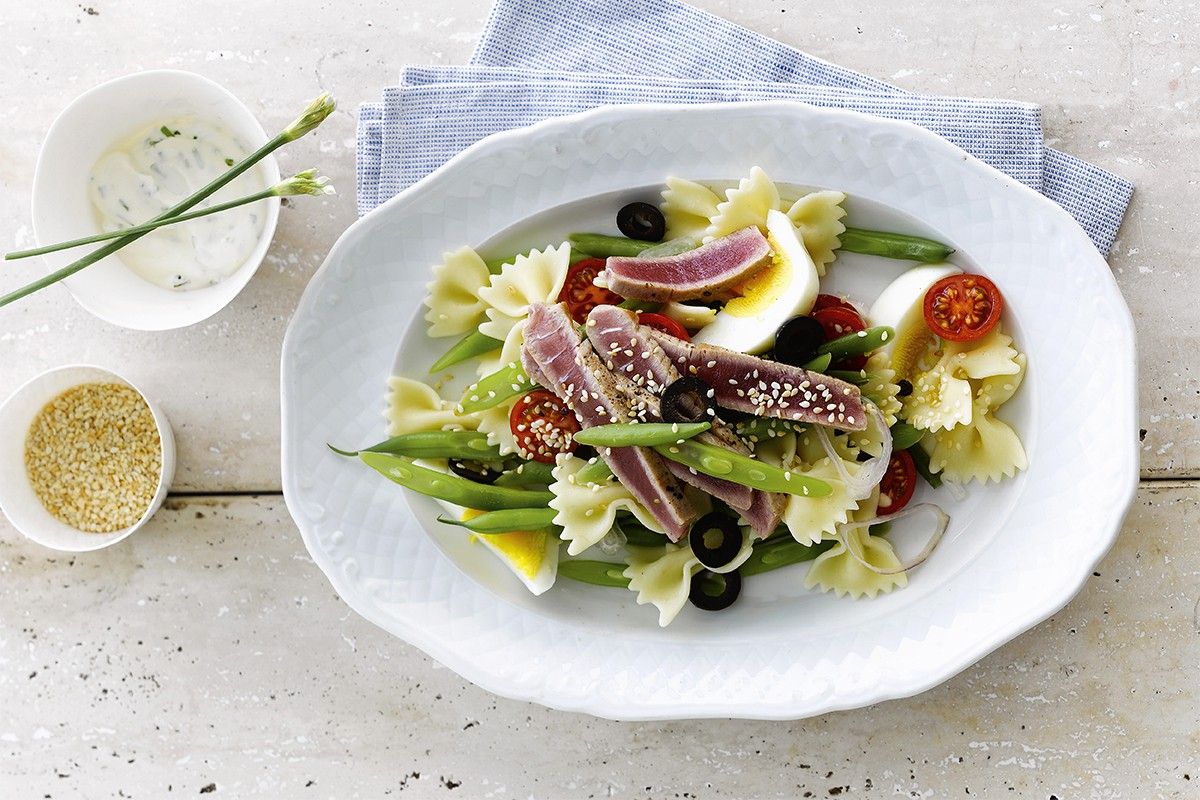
(898, 484)
(838, 321)
(543, 426)
(832, 301)
(581, 294)
(664, 324)
(963, 308)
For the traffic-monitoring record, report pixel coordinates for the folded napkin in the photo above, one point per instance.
(543, 58)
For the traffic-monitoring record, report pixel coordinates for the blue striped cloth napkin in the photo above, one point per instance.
(543, 58)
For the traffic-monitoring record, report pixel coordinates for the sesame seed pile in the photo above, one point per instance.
(93, 457)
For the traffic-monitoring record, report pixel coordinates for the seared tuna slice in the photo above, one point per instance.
(573, 372)
(627, 350)
(765, 512)
(710, 272)
(767, 388)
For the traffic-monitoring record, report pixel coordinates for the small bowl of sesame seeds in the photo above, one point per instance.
(85, 458)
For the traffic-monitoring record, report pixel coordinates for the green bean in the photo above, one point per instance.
(640, 305)
(471, 345)
(452, 488)
(858, 343)
(894, 245)
(737, 468)
(820, 363)
(672, 247)
(921, 462)
(636, 533)
(596, 471)
(880, 528)
(492, 390)
(469, 445)
(525, 473)
(781, 551)
(597, 573)
(600, 245)
(855, 376)
(640, 434)
(905, 436)
(507, 520)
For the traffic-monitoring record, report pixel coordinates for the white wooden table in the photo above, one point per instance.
(207, 655)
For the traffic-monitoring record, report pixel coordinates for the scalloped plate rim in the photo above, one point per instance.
(683, 709)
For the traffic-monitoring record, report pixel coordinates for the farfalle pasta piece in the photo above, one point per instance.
(881, 387)
(745, 205)
(985, 449)
(778, 449)
(939, 399)
(817, 217)
(837, 570)
(494, 422)
(811, 519)
(509, 352)
(587, 511)
(997, 390)
(991, 355)
(662, 576)
(453, 303)
(535, 277)
(688, 207)
(413, 406)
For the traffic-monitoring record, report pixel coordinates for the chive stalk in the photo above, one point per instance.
(302, 183)
(316, 113)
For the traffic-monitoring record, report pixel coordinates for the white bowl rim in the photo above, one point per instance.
(166, 446)
(272, 174)
(1068, 588)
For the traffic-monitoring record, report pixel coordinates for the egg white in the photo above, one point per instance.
(748, 323)
(901, 306)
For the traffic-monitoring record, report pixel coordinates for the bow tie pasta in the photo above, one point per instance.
(587, 511)
(663, 576)
(986, 448)
(692, 209)
(535, 277)
(453, 303)
(688, 207)
(846, 568)
(413, 406)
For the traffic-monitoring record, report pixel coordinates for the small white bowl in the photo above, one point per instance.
(83, 132)
(17, 498)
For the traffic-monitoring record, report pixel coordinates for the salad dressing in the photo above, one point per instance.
(154, 169)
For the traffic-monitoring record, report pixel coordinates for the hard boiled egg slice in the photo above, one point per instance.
(901, 306)
(531, 555)
(773, 295)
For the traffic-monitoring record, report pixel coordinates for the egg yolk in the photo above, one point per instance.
(762, 288)
(525, 550)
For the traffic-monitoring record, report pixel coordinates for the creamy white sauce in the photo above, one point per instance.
(150, 171)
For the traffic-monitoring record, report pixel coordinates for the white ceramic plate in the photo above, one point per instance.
(1015, 554)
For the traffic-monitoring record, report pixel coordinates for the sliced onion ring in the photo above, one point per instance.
(956, 489)
(871, 471)
(943, 522)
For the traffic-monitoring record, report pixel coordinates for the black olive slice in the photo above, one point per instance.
(687, 400)
(474, 471)
(713, 591)
(797, 340)
(642, 221)
(715, 539)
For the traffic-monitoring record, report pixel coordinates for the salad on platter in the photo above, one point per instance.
(680, 408)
